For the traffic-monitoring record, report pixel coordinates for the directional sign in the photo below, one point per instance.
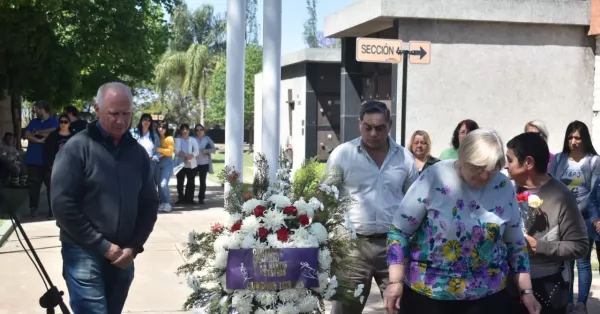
(422, 52)
(378, 50)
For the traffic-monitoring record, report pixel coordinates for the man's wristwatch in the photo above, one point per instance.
(526, 291)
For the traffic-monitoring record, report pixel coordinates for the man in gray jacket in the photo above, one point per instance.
(105, 203)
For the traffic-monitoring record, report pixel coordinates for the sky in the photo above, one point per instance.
(294, 14)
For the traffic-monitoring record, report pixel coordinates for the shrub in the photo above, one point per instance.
(307, 178)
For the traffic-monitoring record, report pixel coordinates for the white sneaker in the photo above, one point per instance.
(166, 208)
(161, 207)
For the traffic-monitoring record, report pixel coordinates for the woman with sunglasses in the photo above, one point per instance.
(55, 141)
(204, 161)
(148, 138)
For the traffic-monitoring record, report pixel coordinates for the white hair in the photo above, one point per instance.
(482, 148)
(540, 125)
(109, 86)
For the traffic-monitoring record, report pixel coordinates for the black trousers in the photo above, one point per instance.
(202, 173)
(413, 302)
(188, 175)
(36, 176)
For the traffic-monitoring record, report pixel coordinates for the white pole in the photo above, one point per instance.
(234, 90)
(271, 80)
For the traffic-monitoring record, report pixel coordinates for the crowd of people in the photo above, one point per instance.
(486, 228)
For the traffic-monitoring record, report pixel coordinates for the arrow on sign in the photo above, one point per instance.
(421, 52)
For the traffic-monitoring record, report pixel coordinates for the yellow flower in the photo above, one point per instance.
(493, 231)
(534, 201)
(422, 267)
(422, 288)
(493, 271)
(452, 250)
(456, 285)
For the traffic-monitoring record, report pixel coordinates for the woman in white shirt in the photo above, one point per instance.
(204, 161)
(186, 151)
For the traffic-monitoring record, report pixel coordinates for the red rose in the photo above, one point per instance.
(247, 196)
(263, 232)
(290, 210)
(304, 220)
(236, 226)
(233, 176)
(259, 211)
(283, 235)
(217, 228)
(523, 197)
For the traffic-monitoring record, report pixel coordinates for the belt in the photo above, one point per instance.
(373, 236)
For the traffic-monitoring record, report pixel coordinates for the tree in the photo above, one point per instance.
(310, 26)
(251, 22)
(253, 65)
(181, 34)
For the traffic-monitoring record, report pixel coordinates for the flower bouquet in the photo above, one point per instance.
(529, 205)
(278, 252)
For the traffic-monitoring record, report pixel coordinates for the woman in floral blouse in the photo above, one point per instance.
(458, 231)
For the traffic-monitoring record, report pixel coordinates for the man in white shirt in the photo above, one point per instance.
(376, 172)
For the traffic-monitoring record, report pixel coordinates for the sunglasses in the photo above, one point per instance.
(64, 122)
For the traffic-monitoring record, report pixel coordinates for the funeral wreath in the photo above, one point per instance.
(282, 250)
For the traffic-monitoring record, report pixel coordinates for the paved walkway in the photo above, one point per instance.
(156, 288)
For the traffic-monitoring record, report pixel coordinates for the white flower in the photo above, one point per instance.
(316, 203)
(274, 242)
(265, 298)
(194, 283)
(233, 218)
(303, 239)
(319, 231)
(534, 201)
(305, 208)
(249, 241)
(280, 200)
(291, 295)
(323, 280)
(235, 240)
(242, 301)
(362, 299)
(359, 290)
(263, 311)
(250, 225)
(331, 190)
(349, 226)
(331, 288)
(220, 261)
(250, 205)
(223, 282)
(221, 242)
(273, 219)
(192, 237)
(308, 304)
(287, 308)
(325, 259)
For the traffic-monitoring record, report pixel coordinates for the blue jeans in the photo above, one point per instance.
(584, 275)
(95, 286)
(163, 173)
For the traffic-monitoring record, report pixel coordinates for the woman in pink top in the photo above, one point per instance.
(538, 126)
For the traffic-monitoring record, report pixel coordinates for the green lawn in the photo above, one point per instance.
(219, 163)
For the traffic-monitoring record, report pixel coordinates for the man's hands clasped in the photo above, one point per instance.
(119, 257)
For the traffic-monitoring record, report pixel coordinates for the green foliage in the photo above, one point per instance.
(216, 112)
(310, 26)
(307, 178)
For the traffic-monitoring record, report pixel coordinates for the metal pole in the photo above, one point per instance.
(271, 81)
(234, 89)
(403, 109)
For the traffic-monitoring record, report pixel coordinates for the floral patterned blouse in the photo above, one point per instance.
(460, 243)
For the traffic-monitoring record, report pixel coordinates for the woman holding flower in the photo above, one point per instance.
(578, 167)
(554, 229)
(457, 236)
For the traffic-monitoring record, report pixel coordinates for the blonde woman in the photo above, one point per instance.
(420, 147)
(457, 237)
(538, 126)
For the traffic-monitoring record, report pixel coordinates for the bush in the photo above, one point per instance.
(307, 178)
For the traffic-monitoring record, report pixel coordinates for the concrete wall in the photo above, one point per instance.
(292, 77)
(499, 74)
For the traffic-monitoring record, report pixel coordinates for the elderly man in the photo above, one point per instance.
(105, 205)
(376, 172)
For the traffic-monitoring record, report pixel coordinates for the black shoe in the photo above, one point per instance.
(180, 202)
(201, 202)
(32, 211)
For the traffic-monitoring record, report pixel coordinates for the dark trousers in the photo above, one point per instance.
(189, 175)
(95, 286)
(413, 302)
(36, 176)
(202, 173)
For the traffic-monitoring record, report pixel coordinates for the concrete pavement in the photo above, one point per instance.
(156, 288)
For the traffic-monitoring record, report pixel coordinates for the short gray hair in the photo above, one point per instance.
(112, 85)
(540, 125)
(482, 148)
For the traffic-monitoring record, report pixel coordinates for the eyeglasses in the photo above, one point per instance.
(64, 122)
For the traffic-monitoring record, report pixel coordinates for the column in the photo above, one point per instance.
(595, 129)
(351, 91)
(234, 89)
(271, 80)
